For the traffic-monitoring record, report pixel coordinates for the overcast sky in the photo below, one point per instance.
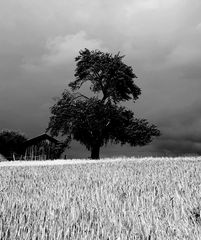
(160, 39)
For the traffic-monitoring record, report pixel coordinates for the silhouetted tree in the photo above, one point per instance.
(11, 143)
(97, 120)
(60, 148)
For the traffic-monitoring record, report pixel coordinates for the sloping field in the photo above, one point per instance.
(84, 161)
(129, 199)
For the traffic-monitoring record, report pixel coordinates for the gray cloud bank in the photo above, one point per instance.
(160, 39)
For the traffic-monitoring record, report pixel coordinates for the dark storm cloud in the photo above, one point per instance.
(181, 131)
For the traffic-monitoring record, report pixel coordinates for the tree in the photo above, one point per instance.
(11, 143)
(107, 74)
(97, 120)
(59, 149)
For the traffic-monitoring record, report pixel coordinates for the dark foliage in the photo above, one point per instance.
(60, 148)
(11, 143)
(96, 121)
(107, 74)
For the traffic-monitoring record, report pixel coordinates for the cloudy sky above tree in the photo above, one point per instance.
(160, 39)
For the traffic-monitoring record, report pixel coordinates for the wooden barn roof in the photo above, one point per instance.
(40, 138)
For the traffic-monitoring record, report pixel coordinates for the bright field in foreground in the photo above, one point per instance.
(149, 199)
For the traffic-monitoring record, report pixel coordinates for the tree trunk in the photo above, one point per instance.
(95, 150)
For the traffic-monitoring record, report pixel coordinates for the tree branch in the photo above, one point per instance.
(80, 95)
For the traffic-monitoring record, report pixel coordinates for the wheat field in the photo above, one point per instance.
(150, 199)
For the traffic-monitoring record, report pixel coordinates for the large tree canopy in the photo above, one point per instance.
(97, 120)
(107, 74)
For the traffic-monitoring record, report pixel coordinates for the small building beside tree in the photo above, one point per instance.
(41, 147)
(15, 146)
